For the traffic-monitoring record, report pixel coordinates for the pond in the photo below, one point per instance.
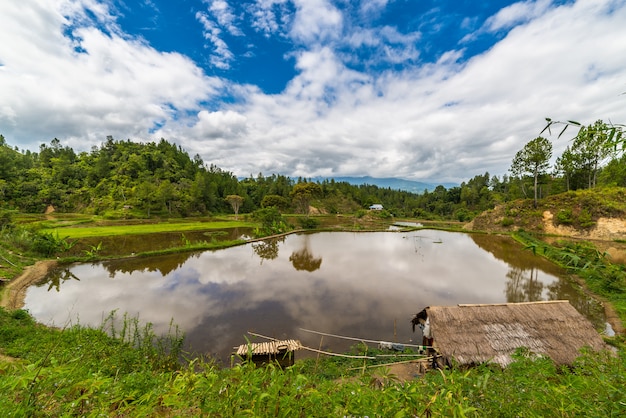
(364, 285)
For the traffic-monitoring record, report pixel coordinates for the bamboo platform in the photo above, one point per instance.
(268, 348)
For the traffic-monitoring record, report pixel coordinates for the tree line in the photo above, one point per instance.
(122, 178)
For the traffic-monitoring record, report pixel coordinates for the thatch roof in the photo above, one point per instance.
(472, 334)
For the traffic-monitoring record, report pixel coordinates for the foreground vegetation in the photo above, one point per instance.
(84, 372)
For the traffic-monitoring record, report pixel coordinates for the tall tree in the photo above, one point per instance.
(567, 165)
(235, 202)
(533, 159)
(614, 173)
(592, 146)
(303, 192)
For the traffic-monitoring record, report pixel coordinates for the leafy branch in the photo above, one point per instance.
(614, 131)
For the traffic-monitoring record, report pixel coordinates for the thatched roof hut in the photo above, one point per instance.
(473, 334)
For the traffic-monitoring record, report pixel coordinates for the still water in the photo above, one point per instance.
(366, 285)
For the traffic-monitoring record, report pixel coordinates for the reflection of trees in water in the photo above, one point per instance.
(57, 277)
(304, 259)
(164, 264)
(508, 250)
(589, 307)
(523, 285)
(267, 249)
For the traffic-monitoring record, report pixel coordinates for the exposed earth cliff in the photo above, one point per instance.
(586, 214)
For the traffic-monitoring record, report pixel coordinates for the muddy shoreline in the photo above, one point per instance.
(14, 291)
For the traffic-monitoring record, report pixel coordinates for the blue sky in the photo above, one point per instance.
(244, 42)
(416, 89)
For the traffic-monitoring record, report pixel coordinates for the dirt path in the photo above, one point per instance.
(14, 292)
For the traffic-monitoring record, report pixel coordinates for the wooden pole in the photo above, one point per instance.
(397, 362)
(423, 347)
(336, 354)
(395, 333)
(317, 360)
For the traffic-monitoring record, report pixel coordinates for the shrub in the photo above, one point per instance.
(44, 243)
(385, 214)
(507, 221)
(564, 217)
(280, 202)
(21, 315)
(510, 211)
(585, 220)
(308, 223)
(35, 242)
(271, 220)
(6, 219)
(463, 215)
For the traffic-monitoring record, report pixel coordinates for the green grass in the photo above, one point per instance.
(116, 230)
(200, 246)
(583, 260)
(80, 371)
(12, 263)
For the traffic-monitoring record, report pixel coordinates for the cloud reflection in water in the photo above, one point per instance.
(366, 285)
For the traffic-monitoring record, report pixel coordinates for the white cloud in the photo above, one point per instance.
(443, 121)
(220, 124)
(114, 85)
(224, 15)
(373, 6)
(446, 121)
(316, 21)
(517, 13)
(270, 16)
(390, 45)
(221, 56)
(218, 18)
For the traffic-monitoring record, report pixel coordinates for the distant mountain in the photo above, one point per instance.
(393, 183)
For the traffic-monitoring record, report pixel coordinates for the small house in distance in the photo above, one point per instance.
(376, 206)
(474, 334)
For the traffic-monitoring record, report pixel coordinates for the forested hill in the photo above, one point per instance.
(126, 179)
(161, 179)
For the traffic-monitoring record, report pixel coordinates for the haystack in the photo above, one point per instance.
(474, 334)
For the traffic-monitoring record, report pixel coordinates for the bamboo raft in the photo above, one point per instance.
(268, 348)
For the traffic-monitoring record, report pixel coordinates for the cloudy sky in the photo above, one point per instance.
(436, 90)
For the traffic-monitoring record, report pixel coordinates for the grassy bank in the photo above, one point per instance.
(584, 261)
(12, 263)
(74, 232)
(84, 372)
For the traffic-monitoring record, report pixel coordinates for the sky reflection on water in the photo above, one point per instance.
(365, 285)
